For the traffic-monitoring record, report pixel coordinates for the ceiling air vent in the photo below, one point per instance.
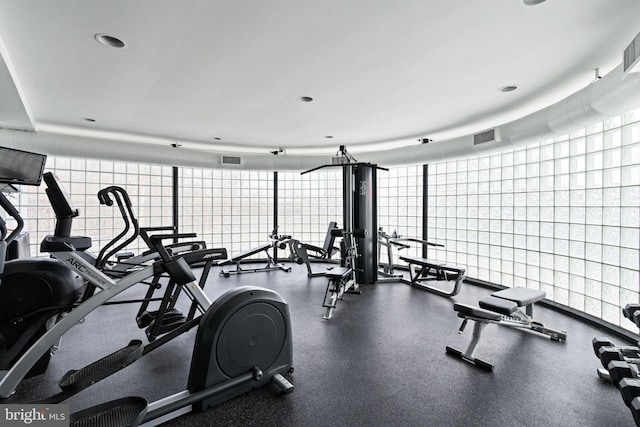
(490, 135)
(631, 62)
(231, 160)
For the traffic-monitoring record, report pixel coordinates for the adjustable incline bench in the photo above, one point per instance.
(277, 241)
(423, 270)
(503, 308)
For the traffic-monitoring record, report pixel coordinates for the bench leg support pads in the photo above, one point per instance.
(467, 356)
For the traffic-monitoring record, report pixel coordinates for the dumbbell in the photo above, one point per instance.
(635, 318)
(630, 389)
(620, 369)
(607, 354)
(630, 351)
(635, 410)
(632, 312)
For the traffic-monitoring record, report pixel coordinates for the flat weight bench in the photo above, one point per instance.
(341, 280)
(424, 270)
(503, 308)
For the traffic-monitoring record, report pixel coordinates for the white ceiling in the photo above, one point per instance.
(378, 71)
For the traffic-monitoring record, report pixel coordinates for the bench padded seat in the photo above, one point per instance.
(521, 296)
(498, 305)
(338, 273)
(432, 263)
(467, 310)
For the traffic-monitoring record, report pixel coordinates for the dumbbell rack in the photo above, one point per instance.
(621, 364)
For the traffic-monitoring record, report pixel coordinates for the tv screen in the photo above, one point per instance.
(21, 167)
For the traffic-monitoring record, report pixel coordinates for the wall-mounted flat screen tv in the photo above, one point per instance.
(21, 167)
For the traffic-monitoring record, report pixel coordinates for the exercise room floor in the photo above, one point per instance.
(380, 361)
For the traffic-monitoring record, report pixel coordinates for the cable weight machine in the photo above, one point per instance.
(359, 233)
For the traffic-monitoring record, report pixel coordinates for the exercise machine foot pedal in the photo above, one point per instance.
(147, 317)
(76, 380)
(167, 325)
(126, 412)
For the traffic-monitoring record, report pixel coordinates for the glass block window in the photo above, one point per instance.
(561, 215)
(400, 207)
(226, 208)
(307, 203)
(149, 187)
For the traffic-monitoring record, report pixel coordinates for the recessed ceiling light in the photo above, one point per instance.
(305, 99)
(532, 2)
(509, 88)
(110, 41)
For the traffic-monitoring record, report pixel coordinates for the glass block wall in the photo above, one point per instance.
(400, 208)
(307, 203)
(226, 208)
(149, 187)
(560, 215)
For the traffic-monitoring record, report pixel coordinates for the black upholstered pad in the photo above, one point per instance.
(471, 311)
(431, 263)
(498, 305)
(521, 296)
(338, 272)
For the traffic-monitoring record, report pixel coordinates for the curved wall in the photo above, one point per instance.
(561, 215)
(609, 96)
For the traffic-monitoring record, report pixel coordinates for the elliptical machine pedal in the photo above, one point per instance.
(125, 412)
(244, 341)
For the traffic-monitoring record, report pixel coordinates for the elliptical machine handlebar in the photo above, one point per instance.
(3, 244)
(156, 242)
(13, 212)
(144, 233)
(3, 229)
(106, 197)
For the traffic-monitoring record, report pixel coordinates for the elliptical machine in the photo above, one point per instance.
(34, 292)
(243, 341)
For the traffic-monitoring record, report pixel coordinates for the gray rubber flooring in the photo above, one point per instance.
(380, 361)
